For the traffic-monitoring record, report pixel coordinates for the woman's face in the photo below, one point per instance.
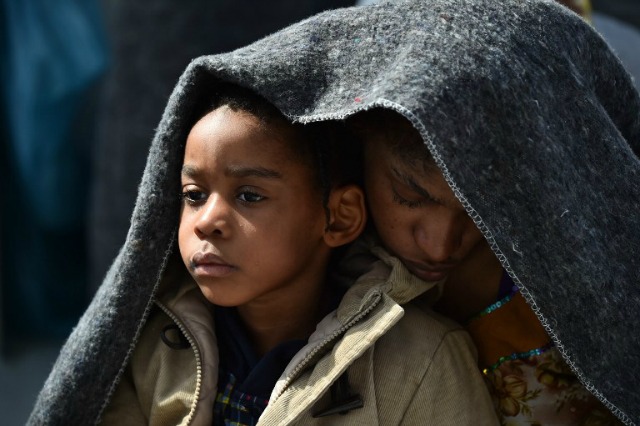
(416, 213)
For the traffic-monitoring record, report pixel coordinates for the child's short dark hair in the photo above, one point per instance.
(329, 148)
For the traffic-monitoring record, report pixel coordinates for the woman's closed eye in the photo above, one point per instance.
(407, 192)
(412, 200)
(412, 204)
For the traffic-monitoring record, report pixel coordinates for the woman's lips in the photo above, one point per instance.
(210, 265)
(429, 273)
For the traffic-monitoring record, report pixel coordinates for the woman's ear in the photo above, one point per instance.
(347, 215)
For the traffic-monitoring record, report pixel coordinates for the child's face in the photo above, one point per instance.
(252, 221)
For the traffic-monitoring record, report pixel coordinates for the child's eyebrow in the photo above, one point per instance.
(245, 171)
(235, 171)
(189, 171)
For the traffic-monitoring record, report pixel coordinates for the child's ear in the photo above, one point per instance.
(347, 213)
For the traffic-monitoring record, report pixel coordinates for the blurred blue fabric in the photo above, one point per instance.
(56, 51)
(53, 57)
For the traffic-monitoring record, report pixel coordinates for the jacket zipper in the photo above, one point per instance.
(187, 335)
(377, 297)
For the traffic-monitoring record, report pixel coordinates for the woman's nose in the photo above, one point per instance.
(213, 220)
(439, 238)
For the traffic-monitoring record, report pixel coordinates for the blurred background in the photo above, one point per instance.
(83, 85)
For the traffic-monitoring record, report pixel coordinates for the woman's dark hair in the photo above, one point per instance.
(402, 138)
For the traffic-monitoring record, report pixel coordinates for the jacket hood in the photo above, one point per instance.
(529, 115)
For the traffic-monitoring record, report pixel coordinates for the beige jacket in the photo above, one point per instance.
(408, 365)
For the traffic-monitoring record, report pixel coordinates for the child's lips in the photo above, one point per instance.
(207, 264)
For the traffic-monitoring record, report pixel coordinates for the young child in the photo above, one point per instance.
(257, 332)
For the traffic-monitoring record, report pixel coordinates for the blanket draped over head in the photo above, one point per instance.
(532, 120)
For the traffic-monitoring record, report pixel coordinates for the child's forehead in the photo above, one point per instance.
(257, 137)
(225, 118)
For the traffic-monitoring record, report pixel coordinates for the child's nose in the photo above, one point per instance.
(214, 218)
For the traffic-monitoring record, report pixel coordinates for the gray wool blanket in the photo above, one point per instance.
(531, 118)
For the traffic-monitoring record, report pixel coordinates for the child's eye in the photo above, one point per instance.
(193, 197)
(249, 197)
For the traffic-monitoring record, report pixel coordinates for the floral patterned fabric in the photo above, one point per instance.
(528, 380)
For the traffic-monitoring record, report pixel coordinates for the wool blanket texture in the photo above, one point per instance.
(532, 119)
